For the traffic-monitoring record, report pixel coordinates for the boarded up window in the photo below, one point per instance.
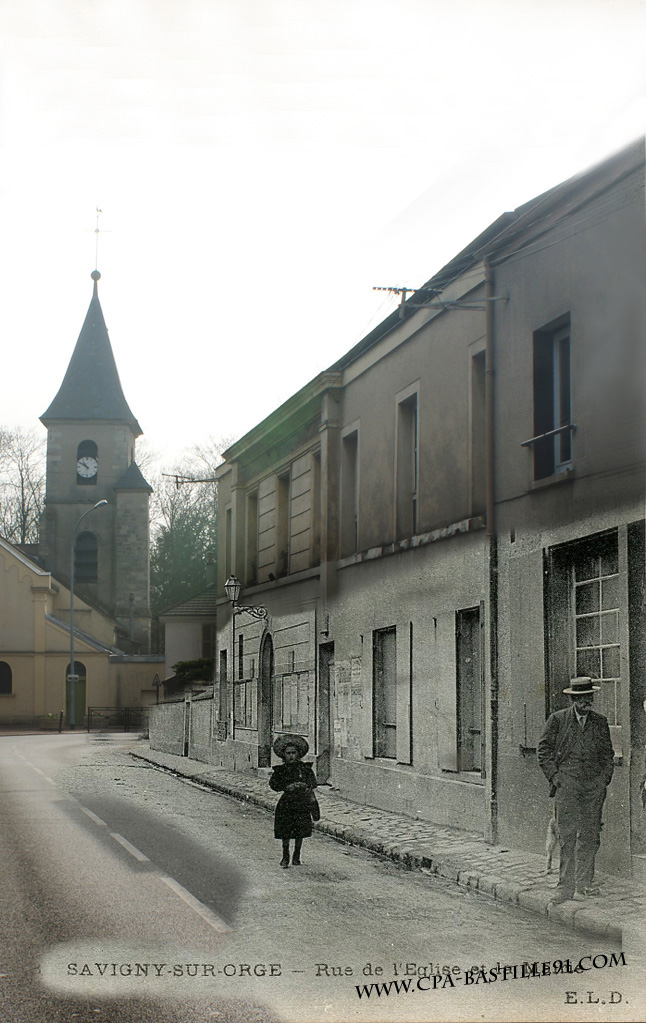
(469, 670)
(385, 693)
(291, 702)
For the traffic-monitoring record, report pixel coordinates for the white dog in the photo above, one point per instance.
(551, 844)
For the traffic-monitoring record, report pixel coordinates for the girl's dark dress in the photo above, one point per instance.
(293, 818)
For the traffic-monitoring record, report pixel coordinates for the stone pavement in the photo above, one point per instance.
(517, 878)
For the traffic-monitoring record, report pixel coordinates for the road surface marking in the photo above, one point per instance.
(93, 817)
(207, 914)
(129, 847)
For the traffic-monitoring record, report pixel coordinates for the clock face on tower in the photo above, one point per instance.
(87, 467)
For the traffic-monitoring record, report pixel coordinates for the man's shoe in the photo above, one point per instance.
(296, 861)
(589, 892)
(284, 863)
(561, 897)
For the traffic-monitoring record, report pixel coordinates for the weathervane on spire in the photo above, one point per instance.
(96, 232)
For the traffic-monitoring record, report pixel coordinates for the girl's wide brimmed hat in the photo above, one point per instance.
(581, 686)
(297, 741)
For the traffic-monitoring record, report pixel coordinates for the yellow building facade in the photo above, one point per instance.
(35, 651)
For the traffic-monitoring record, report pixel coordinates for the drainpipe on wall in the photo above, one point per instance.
(492, 541)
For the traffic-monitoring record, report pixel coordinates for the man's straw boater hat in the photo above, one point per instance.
(581, 686)
(300, 744)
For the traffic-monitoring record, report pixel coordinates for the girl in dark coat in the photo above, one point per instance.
(296, 781)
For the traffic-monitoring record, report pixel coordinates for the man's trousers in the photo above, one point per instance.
(578, 807)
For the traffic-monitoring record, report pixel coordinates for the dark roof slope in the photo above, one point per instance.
(132, 479)
(91, 388)
(466, 258)
(565, 196)
(202, 605)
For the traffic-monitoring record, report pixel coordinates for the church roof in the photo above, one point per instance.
(91, 388)
(90, 641)
(133, 479)
(202, 605)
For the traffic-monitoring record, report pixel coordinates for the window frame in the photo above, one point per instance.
(470, 701)
(407, 462)
(8, 678)
(384, 694)
(561, 660)
(251, 537)
(349, 517)
(283, 522)
(551, 444)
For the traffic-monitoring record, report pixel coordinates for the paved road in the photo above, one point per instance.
(133, 896)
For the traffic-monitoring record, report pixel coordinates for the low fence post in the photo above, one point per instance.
(187, 723)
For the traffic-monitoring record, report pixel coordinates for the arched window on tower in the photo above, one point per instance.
(86, 558)
(87, 463)
(6, 679)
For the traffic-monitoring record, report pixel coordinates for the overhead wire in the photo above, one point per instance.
(528, 248)
(523, 250)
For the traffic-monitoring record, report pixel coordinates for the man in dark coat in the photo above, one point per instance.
(576, 756)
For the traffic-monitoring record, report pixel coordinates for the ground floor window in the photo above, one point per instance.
(595, 609)
(292, 702)
(6, 679)
(469, 662)
(384, 700)
(244, 702)
(586, 597)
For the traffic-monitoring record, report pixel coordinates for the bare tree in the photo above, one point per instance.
(183, 525)
(22, 483)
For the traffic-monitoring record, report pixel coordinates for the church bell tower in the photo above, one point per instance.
(91, 436)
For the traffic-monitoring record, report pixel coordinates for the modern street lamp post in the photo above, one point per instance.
(73, 678)
(258, 611)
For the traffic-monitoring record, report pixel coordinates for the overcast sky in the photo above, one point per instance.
(261, 165)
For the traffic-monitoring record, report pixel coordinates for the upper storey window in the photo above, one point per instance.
(283, 523)
(407, 466)
(350, 492)
(87, 463)
(552, 441)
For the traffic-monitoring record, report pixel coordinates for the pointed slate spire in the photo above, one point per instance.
(91, 388)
